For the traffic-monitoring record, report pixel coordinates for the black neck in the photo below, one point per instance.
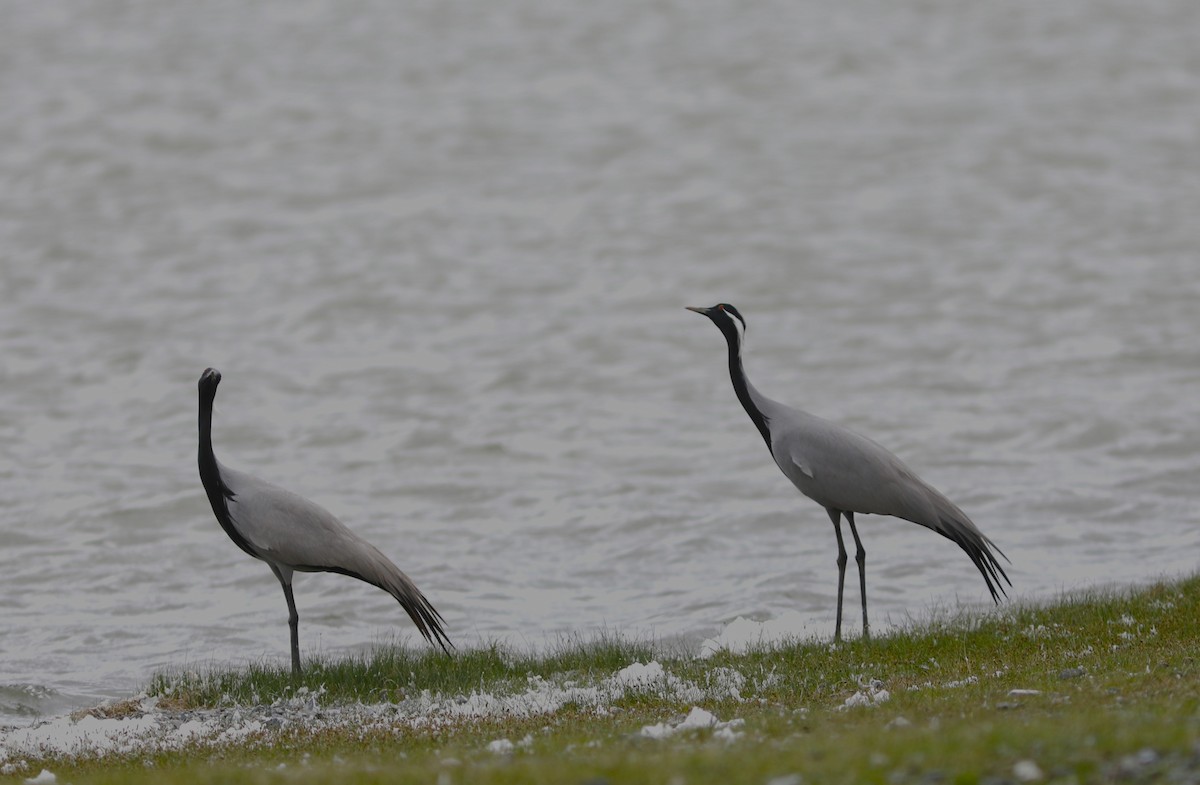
(218, 492)
(210, 475)
(742, 387)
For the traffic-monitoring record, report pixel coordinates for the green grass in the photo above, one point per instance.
(1137, 693)
(394, 673)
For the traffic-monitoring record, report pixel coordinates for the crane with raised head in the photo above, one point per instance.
(847, 473)
(292, 534)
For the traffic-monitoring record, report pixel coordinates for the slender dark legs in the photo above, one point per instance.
(861, 557)
(835, 516)
(294, 624)
(293, 617)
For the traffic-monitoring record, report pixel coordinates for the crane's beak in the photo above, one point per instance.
(702, 311)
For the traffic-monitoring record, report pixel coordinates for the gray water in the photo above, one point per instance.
(440, 251)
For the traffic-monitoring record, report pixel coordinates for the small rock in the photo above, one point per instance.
(1027, 771)
(1071, 673)
(898, 722)
(46, 777)
(1024, 692)
(787, 779)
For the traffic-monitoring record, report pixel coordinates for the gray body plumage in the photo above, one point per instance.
(848, 473)
(843, 470)
(292, 534)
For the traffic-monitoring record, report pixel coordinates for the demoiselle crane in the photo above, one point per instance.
(292, 534)
(846, 473)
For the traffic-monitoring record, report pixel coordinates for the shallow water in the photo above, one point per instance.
(440, 252)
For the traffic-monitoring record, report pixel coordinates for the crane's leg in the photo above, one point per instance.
(861, 557)
(294, 624)
(293, 616)
(834, 515)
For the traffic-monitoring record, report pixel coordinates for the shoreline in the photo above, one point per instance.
(1079, 690)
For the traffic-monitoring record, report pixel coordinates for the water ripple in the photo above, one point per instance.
(441, 258)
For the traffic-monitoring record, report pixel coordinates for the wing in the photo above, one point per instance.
(283, 526)
(843, 470)
(838, 468)
(288, 529)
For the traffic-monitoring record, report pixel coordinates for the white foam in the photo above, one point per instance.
(638, 675)
(1027, 771)
(871, 696)
(500, 747)
(193, 729)
(653, 678)
(155, 729)
(696, 719)
(660, 730)
(857, 699)
(961, 682)
(62, 735)
(726, 730)
(742, 635)
(239, 732)
(870, 693)
(727, 683)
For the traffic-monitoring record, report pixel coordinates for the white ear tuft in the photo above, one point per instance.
(739, 326)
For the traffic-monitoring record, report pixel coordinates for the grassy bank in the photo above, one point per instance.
(1098, 687)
